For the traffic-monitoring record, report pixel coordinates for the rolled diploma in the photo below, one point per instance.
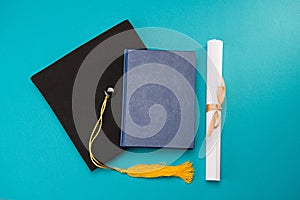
(213, 142)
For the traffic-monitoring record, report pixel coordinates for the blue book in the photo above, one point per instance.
(158, 99)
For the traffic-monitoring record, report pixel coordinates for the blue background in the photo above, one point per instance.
(261, 137)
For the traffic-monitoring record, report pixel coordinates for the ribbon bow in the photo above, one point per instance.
(216, 118)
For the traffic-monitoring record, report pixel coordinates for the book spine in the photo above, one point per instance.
(124, 103)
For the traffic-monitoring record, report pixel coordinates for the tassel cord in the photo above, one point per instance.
(184, 171)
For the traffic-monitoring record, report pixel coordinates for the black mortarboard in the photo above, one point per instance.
(73, 86)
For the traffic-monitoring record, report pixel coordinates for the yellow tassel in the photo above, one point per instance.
(184, 171)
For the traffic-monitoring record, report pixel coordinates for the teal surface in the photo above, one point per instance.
(261, 135)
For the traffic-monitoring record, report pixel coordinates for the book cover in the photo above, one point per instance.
(158, 99)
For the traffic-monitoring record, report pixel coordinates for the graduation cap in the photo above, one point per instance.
(78, 87)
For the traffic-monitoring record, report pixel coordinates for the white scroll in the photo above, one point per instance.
(214, 81)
